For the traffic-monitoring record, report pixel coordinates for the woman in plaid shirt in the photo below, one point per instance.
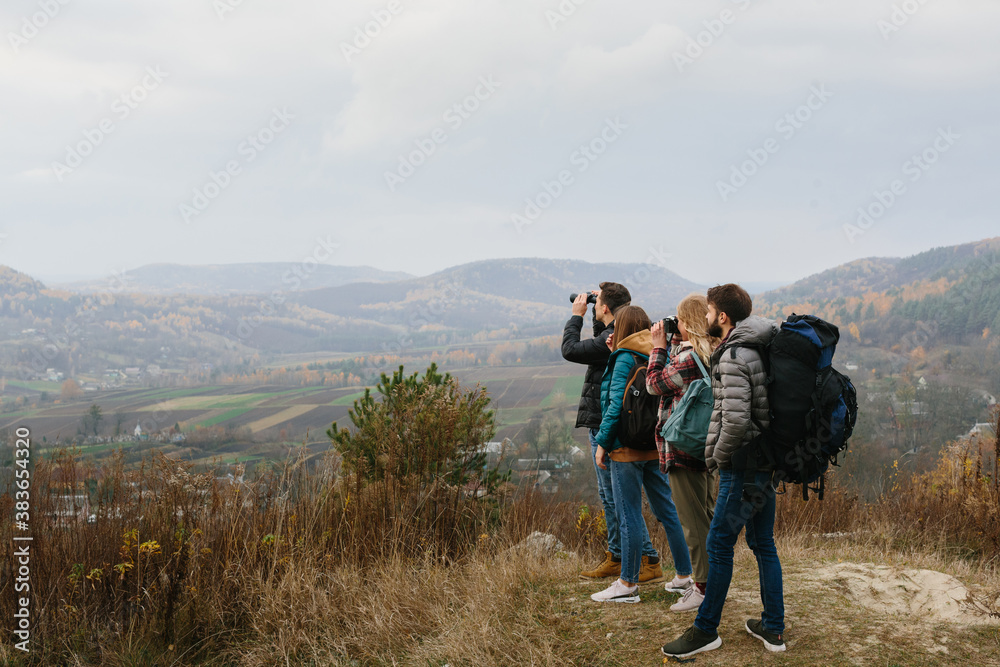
(694, 488)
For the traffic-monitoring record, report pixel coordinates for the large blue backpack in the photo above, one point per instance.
(813, 408)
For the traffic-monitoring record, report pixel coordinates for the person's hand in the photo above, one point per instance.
(659, 335)
(611, 341)
(580, 305)
(599, 458)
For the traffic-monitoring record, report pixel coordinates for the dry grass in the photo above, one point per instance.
(322, 567)
(299, 600)
(952, 511)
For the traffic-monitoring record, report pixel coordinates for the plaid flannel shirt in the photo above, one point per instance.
(667, 376)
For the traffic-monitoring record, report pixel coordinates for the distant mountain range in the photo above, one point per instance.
(231, 312)
(223, 279)
(498, 293)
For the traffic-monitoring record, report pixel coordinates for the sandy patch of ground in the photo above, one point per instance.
(925, 594)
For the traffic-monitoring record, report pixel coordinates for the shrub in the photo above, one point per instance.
(422, 429)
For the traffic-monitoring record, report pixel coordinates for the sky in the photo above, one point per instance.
(750, 140)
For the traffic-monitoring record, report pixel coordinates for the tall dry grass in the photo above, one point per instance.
(953, 509)
(317, 564)
(181, 567)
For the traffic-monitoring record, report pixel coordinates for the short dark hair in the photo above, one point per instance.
(732, 300)
(614, 296)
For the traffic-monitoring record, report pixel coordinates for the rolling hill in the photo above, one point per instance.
(497, 293)
(248, 278)
(946, 296)
(954, 291)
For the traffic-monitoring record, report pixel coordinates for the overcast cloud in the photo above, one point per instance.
(208, 83)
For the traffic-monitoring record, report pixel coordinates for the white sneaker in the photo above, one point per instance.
(617, 592)
(691, 600)
(679, 585)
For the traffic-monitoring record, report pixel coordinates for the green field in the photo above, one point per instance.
(40, 385)
(225, 416)
(518, 393)
(569, 388)
(175, 393)
(348, 399)
(243, 400)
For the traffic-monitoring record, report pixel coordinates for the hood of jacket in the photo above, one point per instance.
(751, 332)
(640, 341)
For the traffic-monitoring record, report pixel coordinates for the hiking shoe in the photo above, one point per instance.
(772, 642)
(608, 568)
(679, 585)
(650, 572)
(691, 642)
(617, 592)
(691, 600)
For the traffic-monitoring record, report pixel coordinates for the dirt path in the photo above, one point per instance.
(836, 614)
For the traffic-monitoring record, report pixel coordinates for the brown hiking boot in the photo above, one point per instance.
(608, 568)
(650, 572)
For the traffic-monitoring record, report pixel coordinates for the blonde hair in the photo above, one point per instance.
(692, 311)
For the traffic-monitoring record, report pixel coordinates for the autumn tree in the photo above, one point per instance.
(70, 389)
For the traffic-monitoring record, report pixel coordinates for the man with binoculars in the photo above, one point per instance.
(594, 353)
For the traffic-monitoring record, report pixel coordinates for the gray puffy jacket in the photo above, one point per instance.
(739, 385)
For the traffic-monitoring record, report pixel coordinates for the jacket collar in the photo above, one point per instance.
(751, 332)
(641, 342)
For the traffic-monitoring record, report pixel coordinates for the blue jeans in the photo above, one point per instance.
(610, 514)
(732, 514)
(628, 480)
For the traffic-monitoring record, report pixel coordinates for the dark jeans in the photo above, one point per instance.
(610, 514)
(732, 514)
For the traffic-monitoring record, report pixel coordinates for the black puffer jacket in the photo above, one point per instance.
(594, 352)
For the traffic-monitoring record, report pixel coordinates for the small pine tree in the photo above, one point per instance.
(423, 429)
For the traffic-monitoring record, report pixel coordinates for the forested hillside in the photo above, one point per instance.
(946, 296)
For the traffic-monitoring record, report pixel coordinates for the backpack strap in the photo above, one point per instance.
(634, 372)
(697, 360)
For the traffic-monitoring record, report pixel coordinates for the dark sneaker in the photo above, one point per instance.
(772, 642)
(691, 642)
